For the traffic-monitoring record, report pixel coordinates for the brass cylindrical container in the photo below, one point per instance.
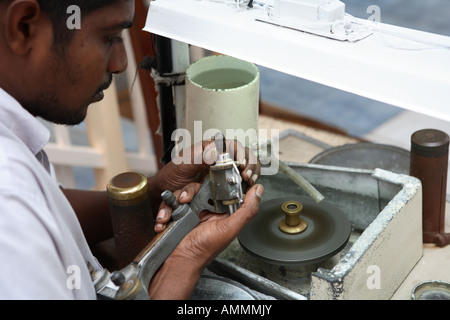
(131, 215)
(429, 163)
(292, 224)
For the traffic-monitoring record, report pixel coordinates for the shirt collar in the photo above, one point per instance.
(22, 123)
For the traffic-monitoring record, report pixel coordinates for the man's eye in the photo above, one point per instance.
(114, 39)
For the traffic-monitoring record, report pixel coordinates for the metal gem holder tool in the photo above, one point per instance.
(221, 192)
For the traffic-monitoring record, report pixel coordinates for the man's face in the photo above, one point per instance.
(76, 76)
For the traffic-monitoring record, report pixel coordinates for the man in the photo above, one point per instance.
(49, 71)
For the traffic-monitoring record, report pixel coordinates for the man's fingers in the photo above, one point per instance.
(247, 211)
(184, 195)
(188, 192)
(247, 161)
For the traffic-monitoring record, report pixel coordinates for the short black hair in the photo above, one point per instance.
(56, 10)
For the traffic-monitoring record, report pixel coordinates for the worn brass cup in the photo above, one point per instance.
(292, 224)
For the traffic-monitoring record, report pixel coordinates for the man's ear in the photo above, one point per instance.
(22, 24)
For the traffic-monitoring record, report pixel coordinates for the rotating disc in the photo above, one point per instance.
(327, 232)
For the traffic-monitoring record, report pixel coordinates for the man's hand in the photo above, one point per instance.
(180, 272)
(192, 165)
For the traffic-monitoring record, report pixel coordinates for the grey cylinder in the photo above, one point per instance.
(222, 94)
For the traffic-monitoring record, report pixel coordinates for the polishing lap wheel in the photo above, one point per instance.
(327, 232)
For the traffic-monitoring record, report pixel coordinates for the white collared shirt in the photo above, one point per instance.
(43, 252)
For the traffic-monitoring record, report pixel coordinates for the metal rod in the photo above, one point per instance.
(300, 181)
(165, 96)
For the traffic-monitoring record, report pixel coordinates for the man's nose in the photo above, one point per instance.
(118, 61)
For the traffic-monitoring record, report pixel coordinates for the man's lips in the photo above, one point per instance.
(100, 94)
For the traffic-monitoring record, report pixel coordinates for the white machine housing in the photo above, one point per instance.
(300, 12)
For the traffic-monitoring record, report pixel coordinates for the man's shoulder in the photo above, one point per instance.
(13, 151)
(18, 165)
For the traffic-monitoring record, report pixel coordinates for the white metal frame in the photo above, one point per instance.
(402, 67)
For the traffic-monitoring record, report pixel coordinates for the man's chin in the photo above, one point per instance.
(98, 97)
(68, 118)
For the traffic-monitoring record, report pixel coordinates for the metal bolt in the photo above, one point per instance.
(117, 278)
(169, 199)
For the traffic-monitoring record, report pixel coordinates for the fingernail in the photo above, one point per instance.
(259, 191)
(161, 214)
(183, 195)
(254, 177)
(249, 173)
(159, 226)
(211, 153)
(244, 163)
